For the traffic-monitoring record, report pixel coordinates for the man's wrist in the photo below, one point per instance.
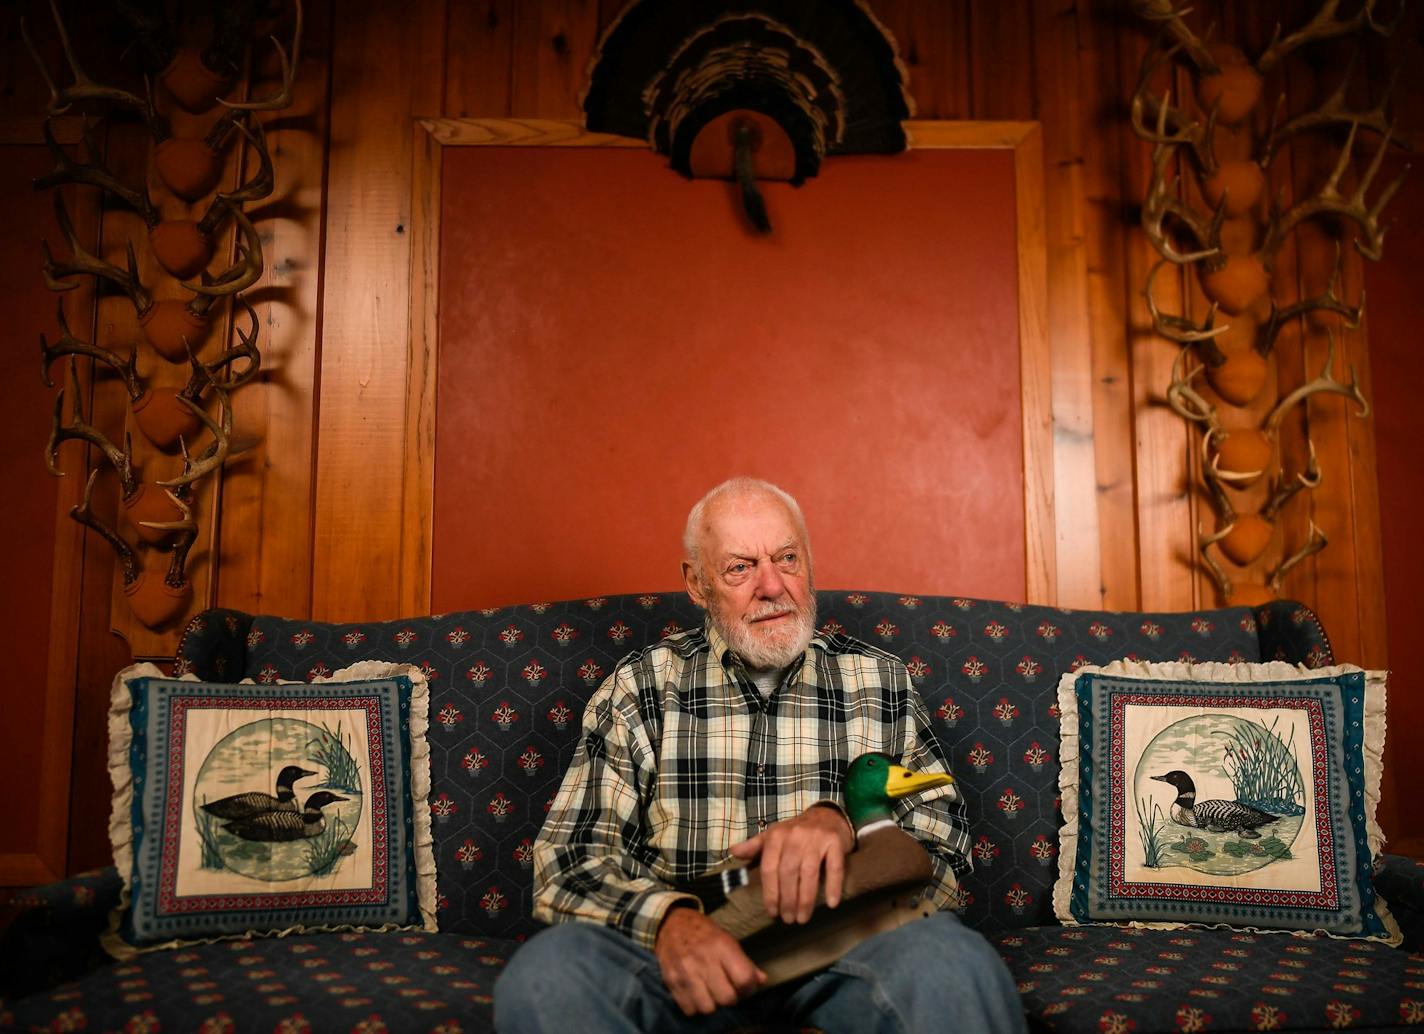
(835, 806)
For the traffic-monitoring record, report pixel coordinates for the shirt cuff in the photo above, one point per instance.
(648, 914)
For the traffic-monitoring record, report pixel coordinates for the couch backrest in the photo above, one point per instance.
(509, 686)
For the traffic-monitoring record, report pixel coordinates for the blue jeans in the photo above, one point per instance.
(934, 974)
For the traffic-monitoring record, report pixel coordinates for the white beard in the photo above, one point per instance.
(769, 649)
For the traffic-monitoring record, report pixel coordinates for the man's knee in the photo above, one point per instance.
(565, 961)
(947, 955)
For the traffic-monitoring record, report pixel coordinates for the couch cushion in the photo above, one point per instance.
(320, 982)
(1242, 794)
(508, 688)
(244, 808)
(1093, 979)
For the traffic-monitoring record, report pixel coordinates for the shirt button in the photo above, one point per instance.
(761, 823)
(761, 770)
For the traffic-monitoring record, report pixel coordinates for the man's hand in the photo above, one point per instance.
(703, 965)
(793, 853)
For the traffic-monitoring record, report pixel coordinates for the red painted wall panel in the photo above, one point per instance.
(613, 342)
(27, 518)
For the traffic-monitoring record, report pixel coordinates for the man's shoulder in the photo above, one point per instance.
(839, 645)
(678, 647)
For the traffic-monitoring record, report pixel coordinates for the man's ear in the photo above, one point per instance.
(694, 588)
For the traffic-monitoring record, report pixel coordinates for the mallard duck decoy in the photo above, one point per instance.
(255, 802)
(1214, 816)
(286, 825)
(884, 876)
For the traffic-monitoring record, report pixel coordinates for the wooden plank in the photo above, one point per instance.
(1036, 371)
(418, 486)
(1105, 240)
(263, 560)
(1055, 59)
(366, 305)
(479, 44)
(553, 43)
(931, 40)
(1161, 442)
(999, 35)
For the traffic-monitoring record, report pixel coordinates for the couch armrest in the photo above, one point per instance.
(1289, 631)
(1400, 881)
(214, 646)
(52, 932)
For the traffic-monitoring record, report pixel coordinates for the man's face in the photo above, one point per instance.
(755, 579)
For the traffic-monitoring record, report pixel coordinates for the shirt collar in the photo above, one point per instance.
(733, 663)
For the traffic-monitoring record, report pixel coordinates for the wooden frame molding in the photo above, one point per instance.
(434, 134)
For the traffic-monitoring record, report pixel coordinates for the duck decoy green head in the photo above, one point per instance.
(874, 781)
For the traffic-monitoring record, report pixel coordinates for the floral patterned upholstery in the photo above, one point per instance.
(508, 688)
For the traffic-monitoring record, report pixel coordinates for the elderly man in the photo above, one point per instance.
(734, 740)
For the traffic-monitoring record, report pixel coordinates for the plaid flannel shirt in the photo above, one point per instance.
(680, 757)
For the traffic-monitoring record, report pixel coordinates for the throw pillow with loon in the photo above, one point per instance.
(279, 799)
(1220, 794)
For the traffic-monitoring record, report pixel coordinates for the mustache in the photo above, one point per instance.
(771, 610)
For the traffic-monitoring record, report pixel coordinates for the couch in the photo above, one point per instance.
(507, 690)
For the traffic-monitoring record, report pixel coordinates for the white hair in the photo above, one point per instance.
(738, 486)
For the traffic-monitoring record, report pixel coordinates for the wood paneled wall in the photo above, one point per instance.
(311, 517)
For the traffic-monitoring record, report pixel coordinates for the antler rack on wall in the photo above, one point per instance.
(1206, 210)
(174, 397)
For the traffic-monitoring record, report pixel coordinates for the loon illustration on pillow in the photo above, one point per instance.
(1215, 816)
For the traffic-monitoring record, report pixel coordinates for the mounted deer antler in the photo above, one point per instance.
(241, 275)
(1168, 125)
(1162, 202)
(255, 189)
(214, 456)
(238, 111)
(1316, 541)
(283, 95)
(1324, 383)
(205, 375)
(1329, 200)
(1334, 112)
(1328, 301)
(93, 174)
(1184, 331)
(84, 88)
(1174, 23)
(79, 429)
(83, 263)
(68, 344)
(1325, 25)
(128, 559)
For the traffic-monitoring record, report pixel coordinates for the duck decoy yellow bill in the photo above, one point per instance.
(901, 782)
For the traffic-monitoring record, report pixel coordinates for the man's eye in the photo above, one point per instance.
(737, 569)
(787, 560)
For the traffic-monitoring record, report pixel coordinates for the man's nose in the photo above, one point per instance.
(769, 583)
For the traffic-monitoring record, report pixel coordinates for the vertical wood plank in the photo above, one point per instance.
(479, 44)
(553, 43)
(1036, 365)
(999, 35)
(366, 305)
(1055, 57)
(1161, 441)
(1107, 233)
(263, 557)
(932, 41)
(418, 488)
